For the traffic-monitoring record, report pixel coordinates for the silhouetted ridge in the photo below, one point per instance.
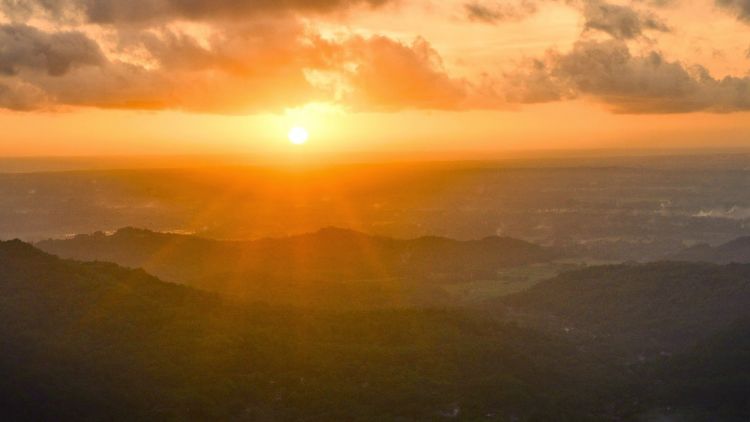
(101, 342)
(29, 268)
(94, 341)
(332, 266)
(338, 232)
(645, 308)
(740, 242)
(14, 250)
(737, 250)
(132, 231)
(713, 375)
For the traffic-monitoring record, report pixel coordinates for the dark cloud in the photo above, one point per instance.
(21, 97)
(607, 72)
(494, 12)
(150, 11)
(741, 8)
(243, 68)
(25, 47)
(660, 3)
(533, 82)
(621, 22)
(269, 63)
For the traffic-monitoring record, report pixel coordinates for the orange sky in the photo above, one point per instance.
(173, 76)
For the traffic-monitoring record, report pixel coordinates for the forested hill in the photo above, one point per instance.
(644, 309)
(339, 252)
(331, 267)
(735, 251)
(95, 341)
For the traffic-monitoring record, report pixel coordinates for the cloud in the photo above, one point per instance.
(389, 75)
(272, 62)
(741, 8)
(21, 97)
(620, 22)
(494, 12)
(607, 72)
(257, 66)
(239, 69)
(25, 47)
(247, 69)
(532, 82)
(151, 11)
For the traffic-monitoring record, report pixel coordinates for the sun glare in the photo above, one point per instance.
(298, 135)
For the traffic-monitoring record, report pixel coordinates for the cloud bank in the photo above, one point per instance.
(621, 22)
(261, 56)
(150, 11)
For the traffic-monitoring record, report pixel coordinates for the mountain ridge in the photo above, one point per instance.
(373, 269)
(734, 251)
(96, 341)
(643, 309)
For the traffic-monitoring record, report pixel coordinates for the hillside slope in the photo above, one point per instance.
(97, 341)
(637, 310)
(332, 267)
(94, 341)
(735, 251)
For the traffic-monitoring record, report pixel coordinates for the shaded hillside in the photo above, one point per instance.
(328, 268)
(737, 251)
(711, 380)
(637, 311)
(96, 341)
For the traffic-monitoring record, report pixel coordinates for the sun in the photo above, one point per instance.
(298, 135)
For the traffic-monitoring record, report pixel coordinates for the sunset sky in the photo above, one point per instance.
(91, 77)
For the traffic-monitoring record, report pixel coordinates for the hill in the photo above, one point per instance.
(711, 381)
(96, 341)
(363, 271)
(637, 311)
(735, 251)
